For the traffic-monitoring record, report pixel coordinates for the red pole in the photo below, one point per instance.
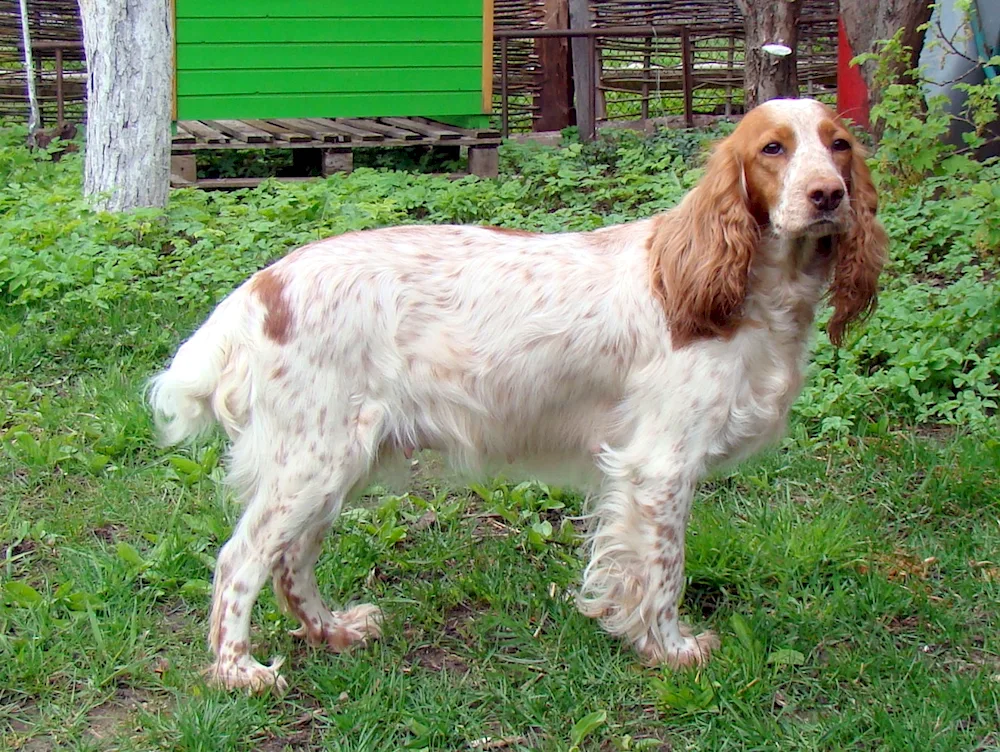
(852, 94)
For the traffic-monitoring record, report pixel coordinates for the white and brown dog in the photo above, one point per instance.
(649, 352)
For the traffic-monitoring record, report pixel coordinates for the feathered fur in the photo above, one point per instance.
(636, 356)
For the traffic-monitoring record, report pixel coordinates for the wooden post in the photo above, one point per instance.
(686, 63)
(184, 166)
(647, 72)
(337, 160)
(583, 70)
(488, 56)
(555, 100)
(60, 105)
(484, 161)
(730, 57)
(504, 104)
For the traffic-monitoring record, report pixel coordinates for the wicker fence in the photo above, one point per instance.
(643, 77)
(638, 77)
(57, 39)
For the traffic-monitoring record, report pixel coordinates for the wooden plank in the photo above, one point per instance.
(437, 133)
(326, 81)
(686, 61)
(377, 127)
(233, 183)
(241, 131)
(554, 100)
(482, 133)
(276, 144)
(355, 134)
(190, 148)
(583, 70)
(487, 68)
(292, 30)
(184, 167)
(328, 9)
(226, 56)
(173, 62)
(280, 132)
(375, 104)
(182, 136)
(203, 132)
(315, 128)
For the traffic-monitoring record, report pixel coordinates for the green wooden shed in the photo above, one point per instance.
(332, 75)
(257, 59)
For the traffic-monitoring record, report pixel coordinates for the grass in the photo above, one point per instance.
(854, 585)
(852, 589)
(853, 575)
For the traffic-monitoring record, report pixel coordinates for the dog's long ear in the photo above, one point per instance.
(700, 253)
(861, 254)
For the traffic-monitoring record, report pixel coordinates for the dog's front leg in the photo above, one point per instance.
(635, 577)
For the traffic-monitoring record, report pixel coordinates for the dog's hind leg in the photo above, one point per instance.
(298, 593)
(280, 532)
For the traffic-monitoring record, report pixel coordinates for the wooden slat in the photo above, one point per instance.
(204, 133)
(212, 183)
(285, 81)
(386, 130)
(322, 9)
(223, 56)
(182, 136)
(299, 30)
(357, 144)
(355, 134)
(479, 133)
(378, 103)
(240, 130)
(435, 132)
(173, 62)
(301, 126)
(280, 132)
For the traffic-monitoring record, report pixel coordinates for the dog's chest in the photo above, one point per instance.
(767, 380)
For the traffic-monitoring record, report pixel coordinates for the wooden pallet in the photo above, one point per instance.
(335, 138)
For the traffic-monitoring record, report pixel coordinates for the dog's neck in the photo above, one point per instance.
(788, 278)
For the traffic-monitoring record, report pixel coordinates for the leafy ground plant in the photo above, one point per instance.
(852, 571)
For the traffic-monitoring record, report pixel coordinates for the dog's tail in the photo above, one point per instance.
(208, 380)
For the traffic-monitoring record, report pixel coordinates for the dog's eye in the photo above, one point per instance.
(773, 149)
(840, 144)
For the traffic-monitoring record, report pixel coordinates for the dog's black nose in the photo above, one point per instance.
(825, 196)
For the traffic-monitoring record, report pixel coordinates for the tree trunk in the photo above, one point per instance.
(867, 21)
(129, 51)
(768, 76)
(29, 75)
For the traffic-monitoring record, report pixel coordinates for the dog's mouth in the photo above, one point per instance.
(823, 226)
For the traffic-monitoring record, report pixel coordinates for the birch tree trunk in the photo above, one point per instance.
(129, 51)
(29, 75)
(768, 76)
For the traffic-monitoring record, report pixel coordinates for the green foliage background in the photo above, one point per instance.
(930, 354)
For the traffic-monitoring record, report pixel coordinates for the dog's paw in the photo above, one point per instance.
(246, 673)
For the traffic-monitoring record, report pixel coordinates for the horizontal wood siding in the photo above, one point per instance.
(340, 55)
(257, 59)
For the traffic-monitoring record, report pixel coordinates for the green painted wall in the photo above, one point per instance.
(255, 59)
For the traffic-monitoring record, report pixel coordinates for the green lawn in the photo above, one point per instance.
(853, 571)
